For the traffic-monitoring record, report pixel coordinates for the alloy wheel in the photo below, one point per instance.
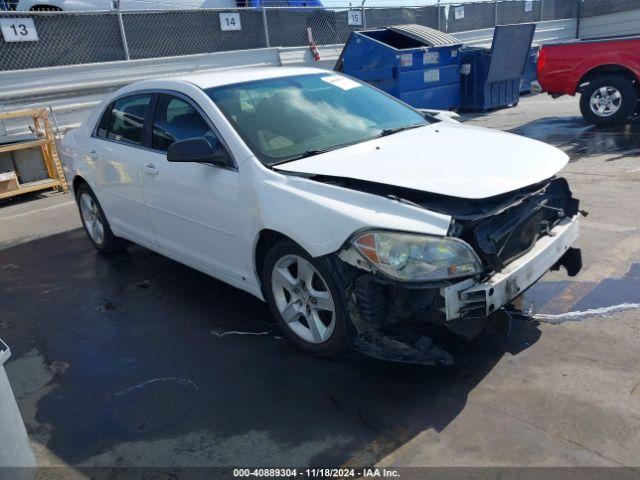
(91, 218)
(303, 299)
(605, 101)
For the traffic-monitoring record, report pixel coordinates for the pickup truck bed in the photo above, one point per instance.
(605, 71)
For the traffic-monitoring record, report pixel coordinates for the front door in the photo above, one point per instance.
(195, 208)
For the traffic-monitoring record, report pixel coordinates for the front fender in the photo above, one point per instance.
(321, 217)
(615, 59)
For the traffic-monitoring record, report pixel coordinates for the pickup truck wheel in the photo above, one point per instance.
(608, 100)
(95, 223)
(306, 301)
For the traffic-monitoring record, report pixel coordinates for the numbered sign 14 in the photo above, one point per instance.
(355, 18)
(230, 21)
(18, 30)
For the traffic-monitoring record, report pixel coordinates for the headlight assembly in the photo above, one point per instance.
(417, 258)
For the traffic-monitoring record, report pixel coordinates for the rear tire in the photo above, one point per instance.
(609, 100)
(306, 300)
(95, 222)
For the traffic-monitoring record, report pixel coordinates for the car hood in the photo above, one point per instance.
(443, 158)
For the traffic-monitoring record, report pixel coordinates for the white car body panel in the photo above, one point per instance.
(210, 218)
(480, 163)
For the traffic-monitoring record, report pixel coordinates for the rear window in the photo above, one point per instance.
(127, 119)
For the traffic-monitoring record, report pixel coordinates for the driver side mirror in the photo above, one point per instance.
(198, 150)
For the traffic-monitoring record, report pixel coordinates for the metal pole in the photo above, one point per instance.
(439, 20)
(578, 19)
(542, 10)
(364, 15)
(495, 12)
(123, 34)
(265, 26)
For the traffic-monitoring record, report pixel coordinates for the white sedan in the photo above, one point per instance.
(360, 220)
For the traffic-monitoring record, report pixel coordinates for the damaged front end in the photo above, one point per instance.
(514, 239)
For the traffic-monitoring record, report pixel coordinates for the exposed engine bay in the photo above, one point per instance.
(518, 237)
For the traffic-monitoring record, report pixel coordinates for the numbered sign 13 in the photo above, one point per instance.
(18, 30)
(458, 13)
(230, 21)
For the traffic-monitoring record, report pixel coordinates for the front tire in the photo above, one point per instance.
(305, 299)
(95, 222)
(608, 100)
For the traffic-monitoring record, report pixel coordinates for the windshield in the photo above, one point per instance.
(283, 119)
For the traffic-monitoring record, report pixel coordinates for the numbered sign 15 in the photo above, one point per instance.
(355, 18)
(18, 30)
(230, 21)
(458, 12)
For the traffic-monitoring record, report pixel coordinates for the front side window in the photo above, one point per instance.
(127, 119)
(282, 119)
(176, 119)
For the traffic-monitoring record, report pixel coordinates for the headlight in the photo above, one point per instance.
(417, 258)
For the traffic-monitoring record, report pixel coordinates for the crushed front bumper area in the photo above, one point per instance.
(469, 299)
(403, 322)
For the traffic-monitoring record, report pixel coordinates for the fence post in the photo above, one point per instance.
(578, 18)
(542, 10)
(364, 16)
(265, 26)
(495, 12)
(439, 20)
(123, 34)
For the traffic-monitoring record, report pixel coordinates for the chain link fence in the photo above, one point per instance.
(67, 38)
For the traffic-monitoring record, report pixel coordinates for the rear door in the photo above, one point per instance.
(195, 208)
(115, 153)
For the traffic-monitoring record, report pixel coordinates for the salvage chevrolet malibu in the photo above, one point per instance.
(361, 221)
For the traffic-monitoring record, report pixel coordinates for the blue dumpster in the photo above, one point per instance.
(416, 64)
(491, 77)
(530, 74)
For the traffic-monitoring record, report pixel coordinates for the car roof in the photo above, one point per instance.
(240, 75)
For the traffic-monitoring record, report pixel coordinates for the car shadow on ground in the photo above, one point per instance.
(148, 357)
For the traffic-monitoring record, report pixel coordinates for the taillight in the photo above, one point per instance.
(542, 57)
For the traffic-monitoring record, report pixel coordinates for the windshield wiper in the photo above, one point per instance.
(305, 154)
(391, 131)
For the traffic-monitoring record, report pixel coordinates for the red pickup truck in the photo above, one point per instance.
(605, 71)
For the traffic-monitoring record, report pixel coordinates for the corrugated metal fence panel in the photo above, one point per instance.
(591, 8)
(64, 40)
(623, 23)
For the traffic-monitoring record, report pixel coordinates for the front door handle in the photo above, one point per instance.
(150, 169)
(92, 155)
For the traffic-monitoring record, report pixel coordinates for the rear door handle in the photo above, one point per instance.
(150, 169)
(92, 155)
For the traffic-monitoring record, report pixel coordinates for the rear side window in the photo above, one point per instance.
(176, 119)
(103, 126)
(127, 119)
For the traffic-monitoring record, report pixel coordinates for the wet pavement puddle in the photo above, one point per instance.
(609, 296)
(579, 139)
